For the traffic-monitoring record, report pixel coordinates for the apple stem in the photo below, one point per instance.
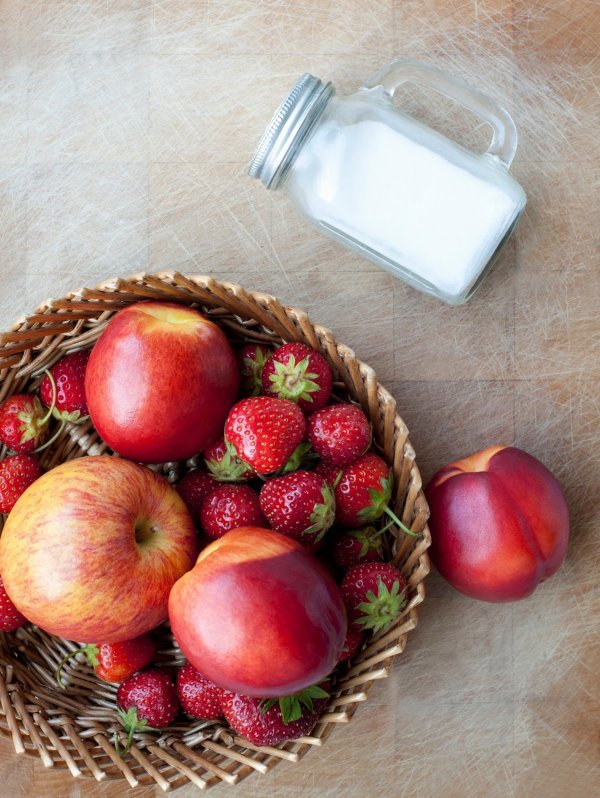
(54, 395)
(52, 439)
(399, 523)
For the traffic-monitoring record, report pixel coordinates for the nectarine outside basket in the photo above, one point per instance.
(75, 728)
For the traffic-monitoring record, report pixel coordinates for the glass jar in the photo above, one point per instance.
(390, 188)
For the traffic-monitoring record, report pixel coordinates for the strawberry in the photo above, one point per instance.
(363, 492)
(224, 465)
(148, 701)
(265, 431)
(199, 697)
(275, 720)
(193, 488)
(10, 617)
(339, 434)
(330, 473)
(229, 506)
(374, 594)
(17, 472)
(67, 378)
(299, 373)
(114, 662)
(352, 642)
(350, 547)
(23, 422)
(299, 505)
(251, 361)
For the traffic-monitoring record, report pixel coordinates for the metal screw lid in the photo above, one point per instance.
(290, 125)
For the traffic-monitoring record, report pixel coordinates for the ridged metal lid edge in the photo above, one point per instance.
(288, 127)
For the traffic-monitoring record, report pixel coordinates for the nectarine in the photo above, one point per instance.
(499, 523)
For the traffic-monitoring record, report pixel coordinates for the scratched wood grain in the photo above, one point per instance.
(125, 129)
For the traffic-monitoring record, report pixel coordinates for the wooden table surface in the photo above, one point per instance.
(125, 130)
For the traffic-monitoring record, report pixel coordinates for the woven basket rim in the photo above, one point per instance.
(105, 298)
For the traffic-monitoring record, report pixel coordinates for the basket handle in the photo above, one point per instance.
(504, 139)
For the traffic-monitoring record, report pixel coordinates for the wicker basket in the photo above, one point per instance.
(75, 728)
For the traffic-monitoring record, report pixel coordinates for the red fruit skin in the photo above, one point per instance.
(216, 451)
(258, 614)
(499, 524)
(199, 697)
(93, 547)
(230, 506)
(316, 365)
(13, 429)
(352, 491)
(339, 434)
(244, 714)
(119, 661)
(328, 471)
(288, 502)
(69, 376)
(265, 431)
(346, 548)
(17, 473)
(153, 694)
(353, 641)
(10, 617)
(160, 381)
(193, 488)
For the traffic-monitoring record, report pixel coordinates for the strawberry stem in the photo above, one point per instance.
(229, 468)
(385, 528)
(132, 724)
(399, 523)
(61, 664)
(293, 381)
(52, 439)
(54, 395)
(323, 514)
(292, 707)
(128, 743)
(301, 456)
(90, 651)
(381, 608)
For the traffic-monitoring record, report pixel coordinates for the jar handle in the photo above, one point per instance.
(504, 139)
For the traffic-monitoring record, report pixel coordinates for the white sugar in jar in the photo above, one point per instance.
(387, 186)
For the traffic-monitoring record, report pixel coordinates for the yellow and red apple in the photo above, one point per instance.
(258, 614)
(160, 382)
(499, 523)
(92, 549)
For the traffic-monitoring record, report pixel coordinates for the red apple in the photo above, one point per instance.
(160, 382)
(92, 549)
(258, 614)
(499, 524)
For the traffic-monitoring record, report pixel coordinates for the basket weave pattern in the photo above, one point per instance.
(75, 728)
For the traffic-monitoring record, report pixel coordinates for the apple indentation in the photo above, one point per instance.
(144, 530)
(171, 314)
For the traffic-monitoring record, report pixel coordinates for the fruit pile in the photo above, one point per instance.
(269, 558)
